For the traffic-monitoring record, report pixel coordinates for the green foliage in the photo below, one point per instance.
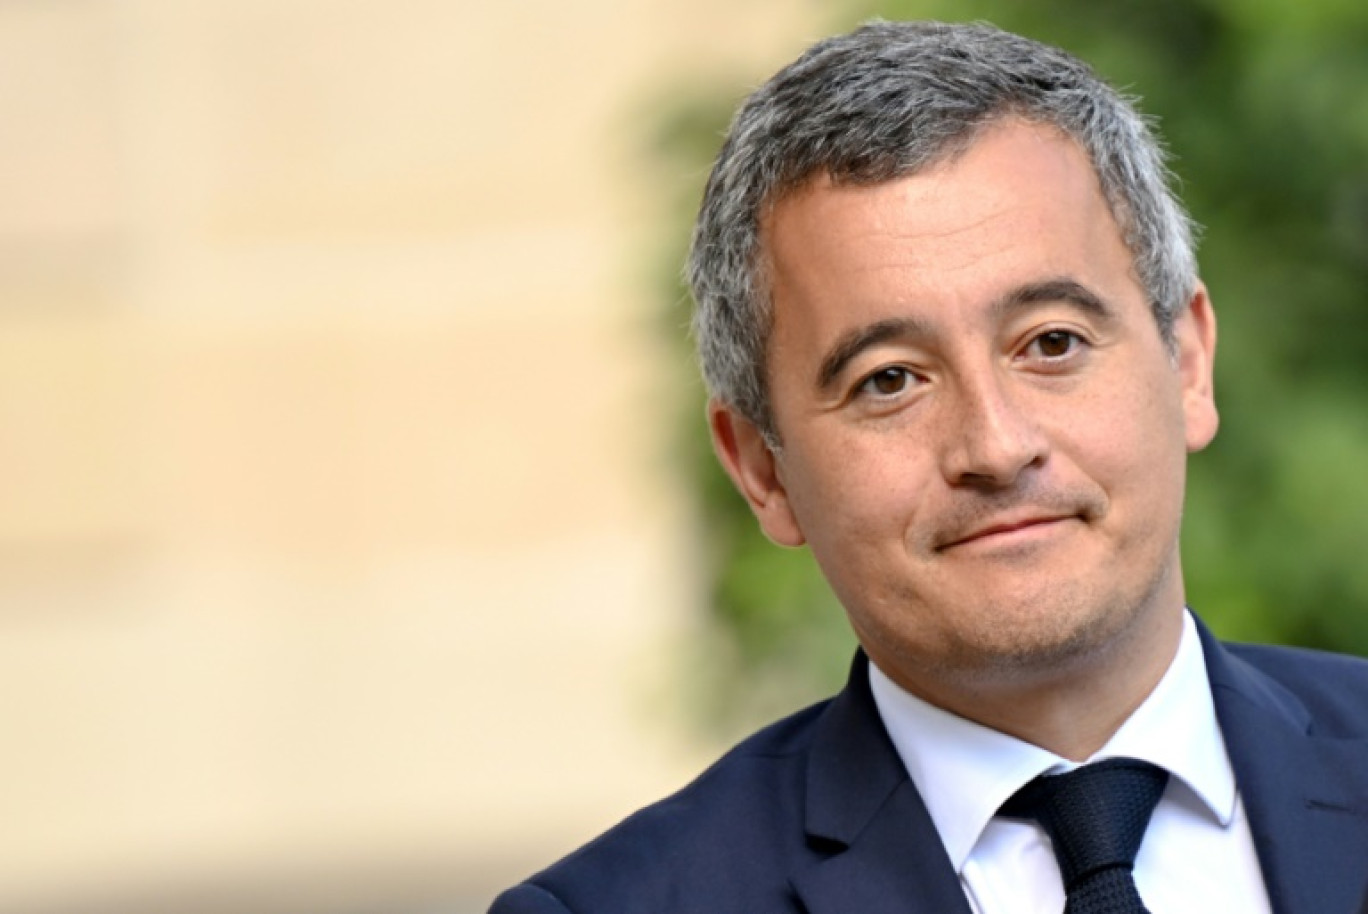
(1264, 104)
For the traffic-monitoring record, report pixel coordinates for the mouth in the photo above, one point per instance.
(1010, 532)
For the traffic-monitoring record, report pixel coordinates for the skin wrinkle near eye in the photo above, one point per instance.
(868, 385)
(1056, 289)
(861, 338)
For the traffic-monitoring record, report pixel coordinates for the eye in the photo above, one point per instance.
(1054, 345)
(887, 382)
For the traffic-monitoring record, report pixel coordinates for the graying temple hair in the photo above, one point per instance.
(882, 102)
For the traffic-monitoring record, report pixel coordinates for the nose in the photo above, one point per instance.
(991, 435)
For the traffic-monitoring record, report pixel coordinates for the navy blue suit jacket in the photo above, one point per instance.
(816, 813)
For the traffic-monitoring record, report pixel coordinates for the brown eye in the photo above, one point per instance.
(887, 382)
(1055, 344)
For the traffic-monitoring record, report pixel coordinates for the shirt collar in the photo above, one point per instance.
(965, 771)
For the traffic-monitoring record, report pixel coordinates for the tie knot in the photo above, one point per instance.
(1095, 815)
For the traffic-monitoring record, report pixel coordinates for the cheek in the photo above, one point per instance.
(865, 491)
(1135, 450)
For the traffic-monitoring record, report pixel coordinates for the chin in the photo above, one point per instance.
(1026, 640)
(1076, 634)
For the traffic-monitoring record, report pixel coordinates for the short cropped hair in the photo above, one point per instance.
(883, 102)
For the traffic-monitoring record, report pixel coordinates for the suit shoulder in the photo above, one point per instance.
(738, 820)
(1333, 687)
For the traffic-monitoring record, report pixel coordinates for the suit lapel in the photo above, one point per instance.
(881, 851)
(1306, 795)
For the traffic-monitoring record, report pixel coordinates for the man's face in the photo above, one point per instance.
(983, 435)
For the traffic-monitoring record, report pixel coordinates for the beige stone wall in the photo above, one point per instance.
(340, 568)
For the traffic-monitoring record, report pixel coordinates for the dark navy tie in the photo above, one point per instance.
(1095, 816)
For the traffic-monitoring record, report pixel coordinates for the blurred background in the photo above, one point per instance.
(359, 547)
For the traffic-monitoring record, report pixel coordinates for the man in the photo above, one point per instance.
(948, 311)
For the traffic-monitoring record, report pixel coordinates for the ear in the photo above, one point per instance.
(755, 470)
(1195, 337)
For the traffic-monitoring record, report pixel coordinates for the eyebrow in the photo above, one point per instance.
(858, 339)
(1059, 289)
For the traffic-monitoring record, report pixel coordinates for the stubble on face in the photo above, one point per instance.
(937, 602)
(1020, 640)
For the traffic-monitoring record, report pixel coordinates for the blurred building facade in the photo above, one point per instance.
(340, 563)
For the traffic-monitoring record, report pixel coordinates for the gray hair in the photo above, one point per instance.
(883, 102)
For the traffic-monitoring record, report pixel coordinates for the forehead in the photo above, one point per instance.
(1021, 204)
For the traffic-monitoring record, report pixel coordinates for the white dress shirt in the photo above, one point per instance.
(1197, 856)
